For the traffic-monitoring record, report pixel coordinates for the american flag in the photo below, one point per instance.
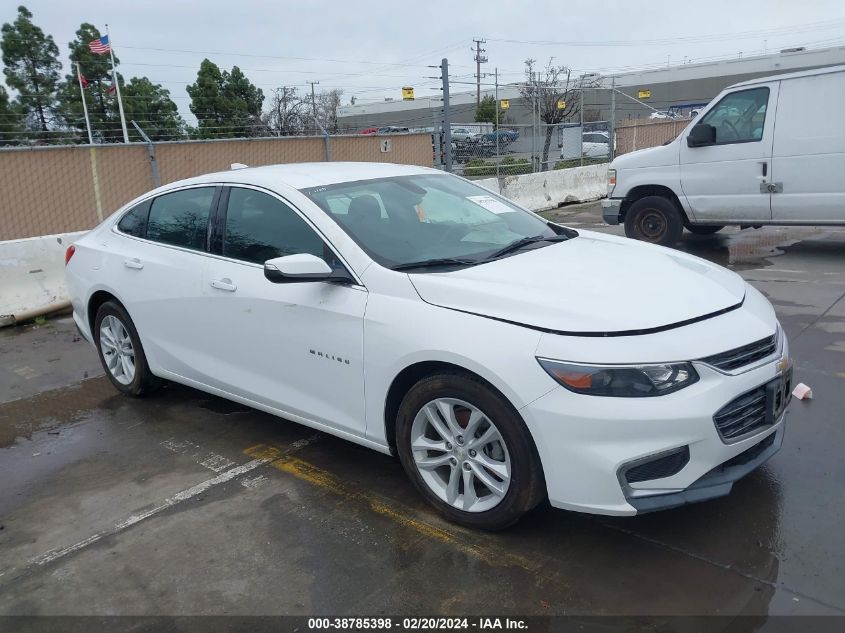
(100, 46)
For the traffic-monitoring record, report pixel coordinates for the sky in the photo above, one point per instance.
(371, 48)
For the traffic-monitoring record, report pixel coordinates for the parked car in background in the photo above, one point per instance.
(461, 134)
(369, 130)
(664, 114)
(593, 145)
(506, 137)
(416, 313)
(392, 129)
(765, 151)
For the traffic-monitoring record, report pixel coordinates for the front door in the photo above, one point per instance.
(298, 346)
(727, 181)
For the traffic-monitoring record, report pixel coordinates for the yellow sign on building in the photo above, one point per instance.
(407, 93)
(644, 94)
(561, 104)
(504, 104)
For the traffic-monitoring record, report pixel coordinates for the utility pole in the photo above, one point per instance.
(479, 59)
(497, 121)
(314, 102)
(613, 118)
(447, 123)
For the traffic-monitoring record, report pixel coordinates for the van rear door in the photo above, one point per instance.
(727, 180)
(808, 161)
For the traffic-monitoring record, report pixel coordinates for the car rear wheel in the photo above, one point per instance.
(468, 452)
(121, 352)
(704, 229)
(654, 219)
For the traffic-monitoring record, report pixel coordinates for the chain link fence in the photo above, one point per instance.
(523, 149)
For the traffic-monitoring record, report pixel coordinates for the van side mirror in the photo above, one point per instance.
(303, 267)
(701, 134)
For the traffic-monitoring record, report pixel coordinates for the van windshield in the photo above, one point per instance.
(429, 217)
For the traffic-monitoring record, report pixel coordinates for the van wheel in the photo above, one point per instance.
(704, 229)
(654, 219)
(121, 353)
(468, 452)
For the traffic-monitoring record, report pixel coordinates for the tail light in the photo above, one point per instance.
(69, 253)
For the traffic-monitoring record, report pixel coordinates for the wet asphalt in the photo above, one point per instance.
(183, 503)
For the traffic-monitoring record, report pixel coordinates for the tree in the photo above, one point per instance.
(288, 112)
(102, 105)
(547, 89)
(11, 120)
(226, 104)
(485, 112)
(327, 106)
(31, 66)
(150, 106)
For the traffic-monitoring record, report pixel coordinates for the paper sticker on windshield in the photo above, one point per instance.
(491, 204)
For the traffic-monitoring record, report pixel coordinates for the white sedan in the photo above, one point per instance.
(505, 359)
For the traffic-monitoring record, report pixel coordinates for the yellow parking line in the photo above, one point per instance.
(325, 480)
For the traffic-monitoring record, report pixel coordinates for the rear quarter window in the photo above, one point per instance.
(134, 222)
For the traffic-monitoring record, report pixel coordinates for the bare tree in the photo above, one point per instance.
(554, 93)
(288, 112)
(327, 105)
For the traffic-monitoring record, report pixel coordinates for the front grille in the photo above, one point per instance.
(742, 415)
(745, 355)
(665, 466)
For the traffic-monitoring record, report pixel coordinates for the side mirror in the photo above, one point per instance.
(300, 268)
(701, 134)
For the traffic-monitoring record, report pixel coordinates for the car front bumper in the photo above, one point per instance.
(610, 208)
(586, 443)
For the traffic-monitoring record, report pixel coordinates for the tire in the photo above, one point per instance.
(655, 220)
(516, 473)
(113, 329)
(704, 229)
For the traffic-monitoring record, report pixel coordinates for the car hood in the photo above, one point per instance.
(659, 156)
(591, 285)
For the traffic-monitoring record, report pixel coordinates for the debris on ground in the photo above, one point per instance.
(802, 392)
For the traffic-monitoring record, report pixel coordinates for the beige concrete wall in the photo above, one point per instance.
(49, 190)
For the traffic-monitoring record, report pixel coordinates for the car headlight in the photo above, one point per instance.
(611, 180)
(622, 381)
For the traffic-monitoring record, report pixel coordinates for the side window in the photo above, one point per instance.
(740, 116)
(134, 223)
(260, 227)
(181, 218)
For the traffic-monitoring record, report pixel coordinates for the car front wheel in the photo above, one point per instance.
(654, 219)
(120, 351)
(468, 452)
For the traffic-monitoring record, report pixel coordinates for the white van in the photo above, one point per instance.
(765, 151)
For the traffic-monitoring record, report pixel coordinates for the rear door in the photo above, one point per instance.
(157, 270)
(297, 347)
(808, 159)
(728, 181)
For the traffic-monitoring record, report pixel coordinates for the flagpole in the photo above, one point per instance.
(117, 89)
(84, 104)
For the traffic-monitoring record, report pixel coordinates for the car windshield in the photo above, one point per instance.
(430, 218)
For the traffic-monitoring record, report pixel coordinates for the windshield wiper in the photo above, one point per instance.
(442, 261)
(525, 241)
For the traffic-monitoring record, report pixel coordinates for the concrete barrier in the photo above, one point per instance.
(550, 189)
(32, 276)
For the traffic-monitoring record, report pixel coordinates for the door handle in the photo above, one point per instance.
(765, 168)
(134, 263)
(224, 284)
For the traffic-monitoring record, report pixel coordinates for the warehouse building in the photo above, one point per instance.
(677, 88)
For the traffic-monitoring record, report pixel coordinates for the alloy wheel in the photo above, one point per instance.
(460, 455)
(118, 352)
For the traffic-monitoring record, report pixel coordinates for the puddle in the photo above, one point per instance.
(747, 249)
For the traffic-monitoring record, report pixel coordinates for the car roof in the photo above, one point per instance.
(305, 175)
(803, 73)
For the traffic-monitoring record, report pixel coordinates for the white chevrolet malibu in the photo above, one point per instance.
(505, 359)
